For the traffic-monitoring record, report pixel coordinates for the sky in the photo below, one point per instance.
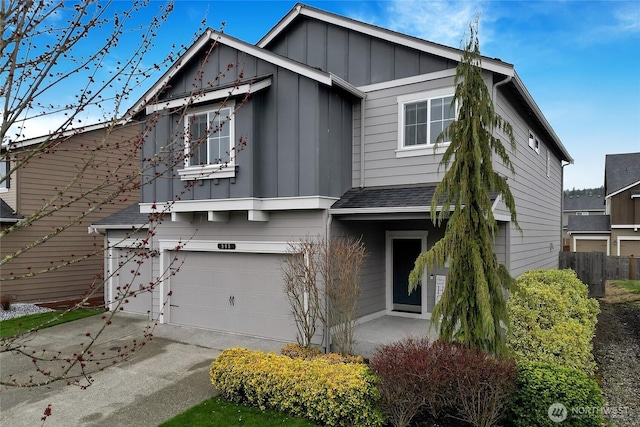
(580, 60)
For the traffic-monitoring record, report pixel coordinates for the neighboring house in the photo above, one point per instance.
(616, 232)
(60, 268)
(581, 205)
(339, 127)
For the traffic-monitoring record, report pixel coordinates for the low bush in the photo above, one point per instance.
(442, 379)
(296, 351)
(541, 385)
(552, 320)
(335, 394)
(5, 302)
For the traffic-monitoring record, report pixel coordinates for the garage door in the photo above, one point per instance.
(630, 247)
(591, 245)
(232, 292)
(134, 270)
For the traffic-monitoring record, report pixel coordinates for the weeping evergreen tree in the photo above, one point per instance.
(473, 304)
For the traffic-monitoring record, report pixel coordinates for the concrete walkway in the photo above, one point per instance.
(160, 380)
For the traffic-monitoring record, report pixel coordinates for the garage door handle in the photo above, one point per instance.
(232, 300)
(173, 305)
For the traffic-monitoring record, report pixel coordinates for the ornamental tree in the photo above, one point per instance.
(472, 309)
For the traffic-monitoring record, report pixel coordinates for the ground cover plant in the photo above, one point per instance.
(220, 412)
(630, 285)
(20, 325)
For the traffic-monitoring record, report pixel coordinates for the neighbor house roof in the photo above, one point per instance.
(7, 214)
(579, 203)
(589, 224)
(621, 171)
(512, 79)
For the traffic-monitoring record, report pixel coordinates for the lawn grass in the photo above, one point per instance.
(219, 412)
(18, 325)
(630, 285)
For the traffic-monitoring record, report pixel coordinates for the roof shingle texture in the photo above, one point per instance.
(386, 197)
(589, 223)
(620, 171)
(7, 213)
(127, 217)
(584, 203)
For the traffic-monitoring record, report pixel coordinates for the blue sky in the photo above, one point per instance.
(580, 60)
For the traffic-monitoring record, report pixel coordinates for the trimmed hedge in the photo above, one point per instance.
(552, 320)
(335, 394)
(540, 385)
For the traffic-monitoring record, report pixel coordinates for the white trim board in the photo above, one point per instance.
(607, 238)
(622, 189)
(389, 237)
(242, 204)
(254, 247)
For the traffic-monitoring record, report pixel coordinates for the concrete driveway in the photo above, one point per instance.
(165, 377)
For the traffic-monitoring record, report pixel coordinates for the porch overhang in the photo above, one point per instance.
(389, 202)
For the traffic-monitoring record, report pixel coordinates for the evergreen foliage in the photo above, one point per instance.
(472, 308)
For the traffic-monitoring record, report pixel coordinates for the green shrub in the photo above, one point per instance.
(295, 351)
(552, 320)
(540, 385)
(335, 394)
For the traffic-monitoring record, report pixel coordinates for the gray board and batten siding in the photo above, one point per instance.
(298, 134)
(357, 58)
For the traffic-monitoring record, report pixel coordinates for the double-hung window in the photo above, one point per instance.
(422, 118)
(4, 178)
(208, 141)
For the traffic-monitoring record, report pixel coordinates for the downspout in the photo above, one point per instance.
(362, 118)
(327, 324)
(507, 231)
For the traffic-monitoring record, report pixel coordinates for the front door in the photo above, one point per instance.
(404, 254)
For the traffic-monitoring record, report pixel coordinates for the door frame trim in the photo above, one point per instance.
(389, 237)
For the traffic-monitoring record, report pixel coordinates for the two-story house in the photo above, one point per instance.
(581, 205)
(62, 186)
(339, 129)
(616, 231)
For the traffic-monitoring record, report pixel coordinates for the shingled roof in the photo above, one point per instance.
(125, 218)
(589, 224)
(584, 203)
(7, 214)
(620, 172)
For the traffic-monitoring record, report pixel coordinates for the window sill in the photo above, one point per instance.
(421, 151)
(207, 172)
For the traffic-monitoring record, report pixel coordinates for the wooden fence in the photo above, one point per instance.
(594, 268)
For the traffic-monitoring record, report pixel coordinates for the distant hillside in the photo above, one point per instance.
(599, 191)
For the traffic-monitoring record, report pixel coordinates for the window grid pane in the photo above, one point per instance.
(416, 122)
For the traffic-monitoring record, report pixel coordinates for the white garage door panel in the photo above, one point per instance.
(134, 272)
(234, 292)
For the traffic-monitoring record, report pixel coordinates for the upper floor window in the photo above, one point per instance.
(4, 170)
(209, 147)
(422, 118)
(534, 143)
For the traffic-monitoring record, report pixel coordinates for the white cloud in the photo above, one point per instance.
(441, 21)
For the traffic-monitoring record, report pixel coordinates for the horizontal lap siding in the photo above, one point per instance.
(381, 140)
(537, 197)
(39, 181)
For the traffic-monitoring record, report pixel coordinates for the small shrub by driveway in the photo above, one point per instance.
(334, 394)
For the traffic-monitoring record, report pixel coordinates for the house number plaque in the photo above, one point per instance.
(226, 246)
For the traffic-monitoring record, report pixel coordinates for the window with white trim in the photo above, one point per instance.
(534, 143)
(209, 143)
(4, 170)
(421, 119)
(425, 120)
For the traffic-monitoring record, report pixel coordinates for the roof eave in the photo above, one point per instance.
(541, 118)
